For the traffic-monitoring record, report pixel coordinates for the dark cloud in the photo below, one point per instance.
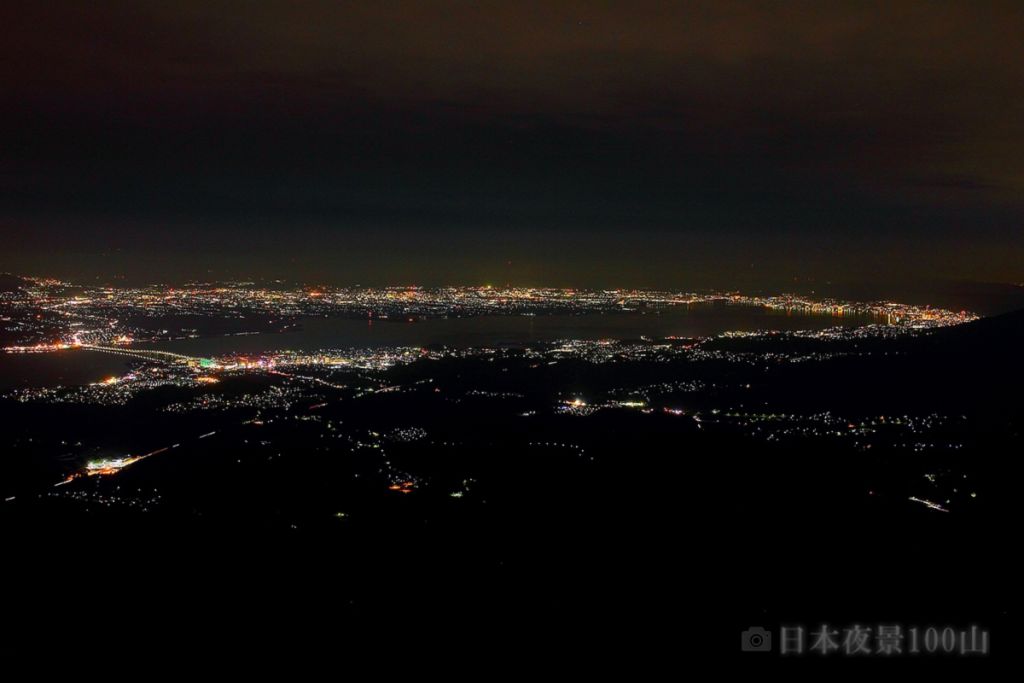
(838, 137)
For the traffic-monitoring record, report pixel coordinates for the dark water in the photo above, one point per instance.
(58, 368)
(79, 367)
(321, 333)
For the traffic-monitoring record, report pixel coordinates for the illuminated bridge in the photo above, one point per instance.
(150, 354)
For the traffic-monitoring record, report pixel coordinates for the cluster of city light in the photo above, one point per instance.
(863, 430)
(159, 369)
(138, 500)
(40, 348)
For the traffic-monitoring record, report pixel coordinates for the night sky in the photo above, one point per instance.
(565, 143)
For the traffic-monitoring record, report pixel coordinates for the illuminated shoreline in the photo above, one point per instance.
(58, 316)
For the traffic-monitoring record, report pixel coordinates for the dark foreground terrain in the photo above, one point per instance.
(638, 510)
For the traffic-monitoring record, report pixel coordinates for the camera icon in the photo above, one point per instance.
(756, 639)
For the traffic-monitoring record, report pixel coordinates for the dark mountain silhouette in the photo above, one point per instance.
(970, 369)
(1000, 334)
(977, 365)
